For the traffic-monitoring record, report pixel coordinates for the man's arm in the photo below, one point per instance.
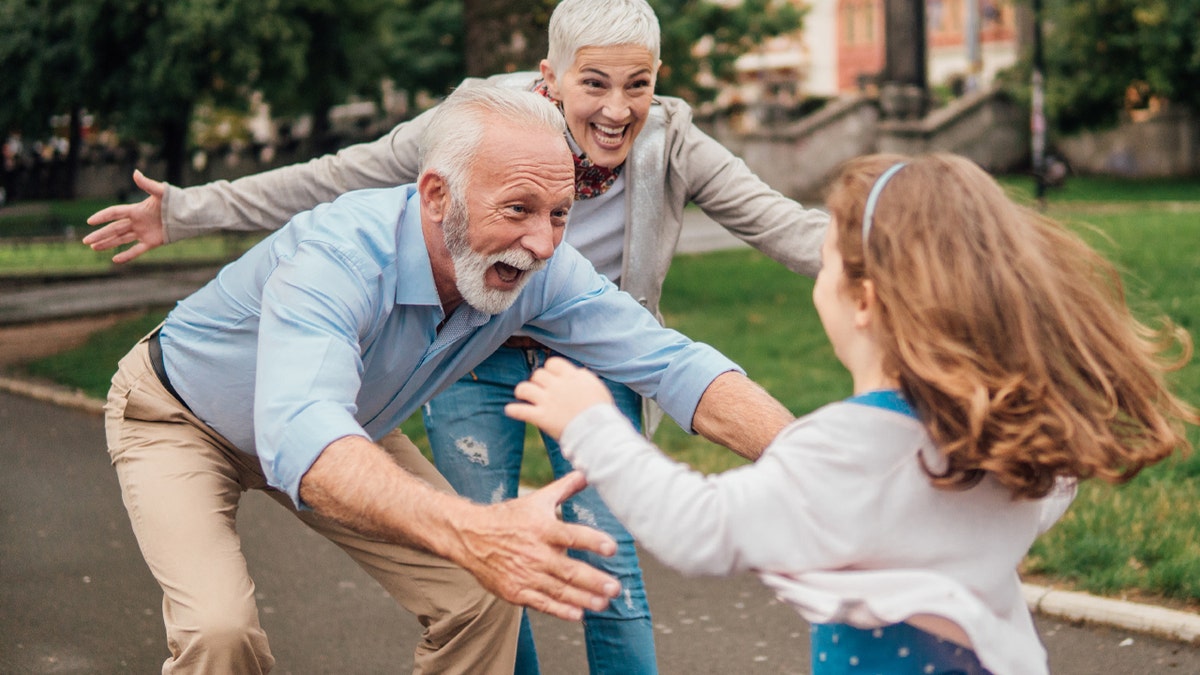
(516, 549)
(739, 414)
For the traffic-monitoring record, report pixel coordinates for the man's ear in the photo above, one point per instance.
(551, 78)
(435, 195)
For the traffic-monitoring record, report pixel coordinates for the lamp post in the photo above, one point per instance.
(1037, 122)
(974, 55)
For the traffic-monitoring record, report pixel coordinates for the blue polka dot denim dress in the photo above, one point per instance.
(898, 649)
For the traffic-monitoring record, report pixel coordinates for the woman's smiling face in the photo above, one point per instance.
(606, 95)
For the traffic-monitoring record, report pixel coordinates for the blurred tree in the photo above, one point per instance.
(144, 65)
(423, 41)
(337, 48)
(1106, 57)
(162, 57)
(47, 71)
(507, 35)
(503, 36)
(729, 31)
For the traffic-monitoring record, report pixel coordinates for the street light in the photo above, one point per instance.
(1037, 122)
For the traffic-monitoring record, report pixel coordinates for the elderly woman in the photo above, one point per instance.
(639, 160)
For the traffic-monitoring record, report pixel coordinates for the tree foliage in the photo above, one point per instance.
(333, 49)
(41, 55)
(145, 65)
(423, 41)
(47, 62)
(734, 30)
(142, 64)
(1104, 56)
(505, 35)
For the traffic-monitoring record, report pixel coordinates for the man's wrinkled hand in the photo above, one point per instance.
(517, 550)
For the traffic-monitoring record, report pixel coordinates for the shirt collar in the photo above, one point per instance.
(414, 274)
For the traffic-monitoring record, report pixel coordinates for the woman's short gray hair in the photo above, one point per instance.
(576, 24)
(450, 143)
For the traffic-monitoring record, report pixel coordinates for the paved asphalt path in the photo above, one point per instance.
(75, 596)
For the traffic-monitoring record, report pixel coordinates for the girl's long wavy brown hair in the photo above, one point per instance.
(1009, 334)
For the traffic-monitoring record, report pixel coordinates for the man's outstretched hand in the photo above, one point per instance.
(126, 223)
(517, 550)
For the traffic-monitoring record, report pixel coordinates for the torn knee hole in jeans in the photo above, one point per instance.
(499, 494)
(476, 451)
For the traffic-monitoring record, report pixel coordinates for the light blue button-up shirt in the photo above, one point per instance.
(329, 328)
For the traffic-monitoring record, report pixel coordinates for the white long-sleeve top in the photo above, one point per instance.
(840, 520)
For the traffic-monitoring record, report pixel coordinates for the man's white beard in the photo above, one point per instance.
(471, 267)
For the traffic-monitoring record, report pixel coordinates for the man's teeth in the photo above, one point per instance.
(507, 272)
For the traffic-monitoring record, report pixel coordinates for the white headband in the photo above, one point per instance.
(873, 196)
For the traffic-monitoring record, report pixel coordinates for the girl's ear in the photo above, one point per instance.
(865, 305)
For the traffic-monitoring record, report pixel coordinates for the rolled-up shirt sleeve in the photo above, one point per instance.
(309, 360)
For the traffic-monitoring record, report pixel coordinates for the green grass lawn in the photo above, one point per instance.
(1143, 536)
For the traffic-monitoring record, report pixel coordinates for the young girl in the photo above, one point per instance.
(994, 364)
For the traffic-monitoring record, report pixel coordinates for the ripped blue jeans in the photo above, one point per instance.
(479, 450)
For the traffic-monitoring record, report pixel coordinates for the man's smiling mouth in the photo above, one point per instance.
(507, 273)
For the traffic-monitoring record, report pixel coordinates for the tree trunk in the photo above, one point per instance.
(322, 71)
(904, 92)
(504, 36)
(904, 42)
(322, 140)
(174, 148)
(74, 144)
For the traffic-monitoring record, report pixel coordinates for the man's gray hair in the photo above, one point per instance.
(450, 143)
(576, 24)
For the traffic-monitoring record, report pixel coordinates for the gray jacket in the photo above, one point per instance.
(690, 167)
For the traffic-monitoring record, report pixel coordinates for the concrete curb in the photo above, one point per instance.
(1072, 606)
(68, 398)
(1068, 605)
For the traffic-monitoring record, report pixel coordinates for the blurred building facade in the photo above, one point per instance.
(840, 49)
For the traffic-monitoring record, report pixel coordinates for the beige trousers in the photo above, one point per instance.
(181, 483)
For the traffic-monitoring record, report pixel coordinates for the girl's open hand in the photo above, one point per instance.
(555, 394)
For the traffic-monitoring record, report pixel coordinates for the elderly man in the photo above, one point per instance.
(282, 372)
